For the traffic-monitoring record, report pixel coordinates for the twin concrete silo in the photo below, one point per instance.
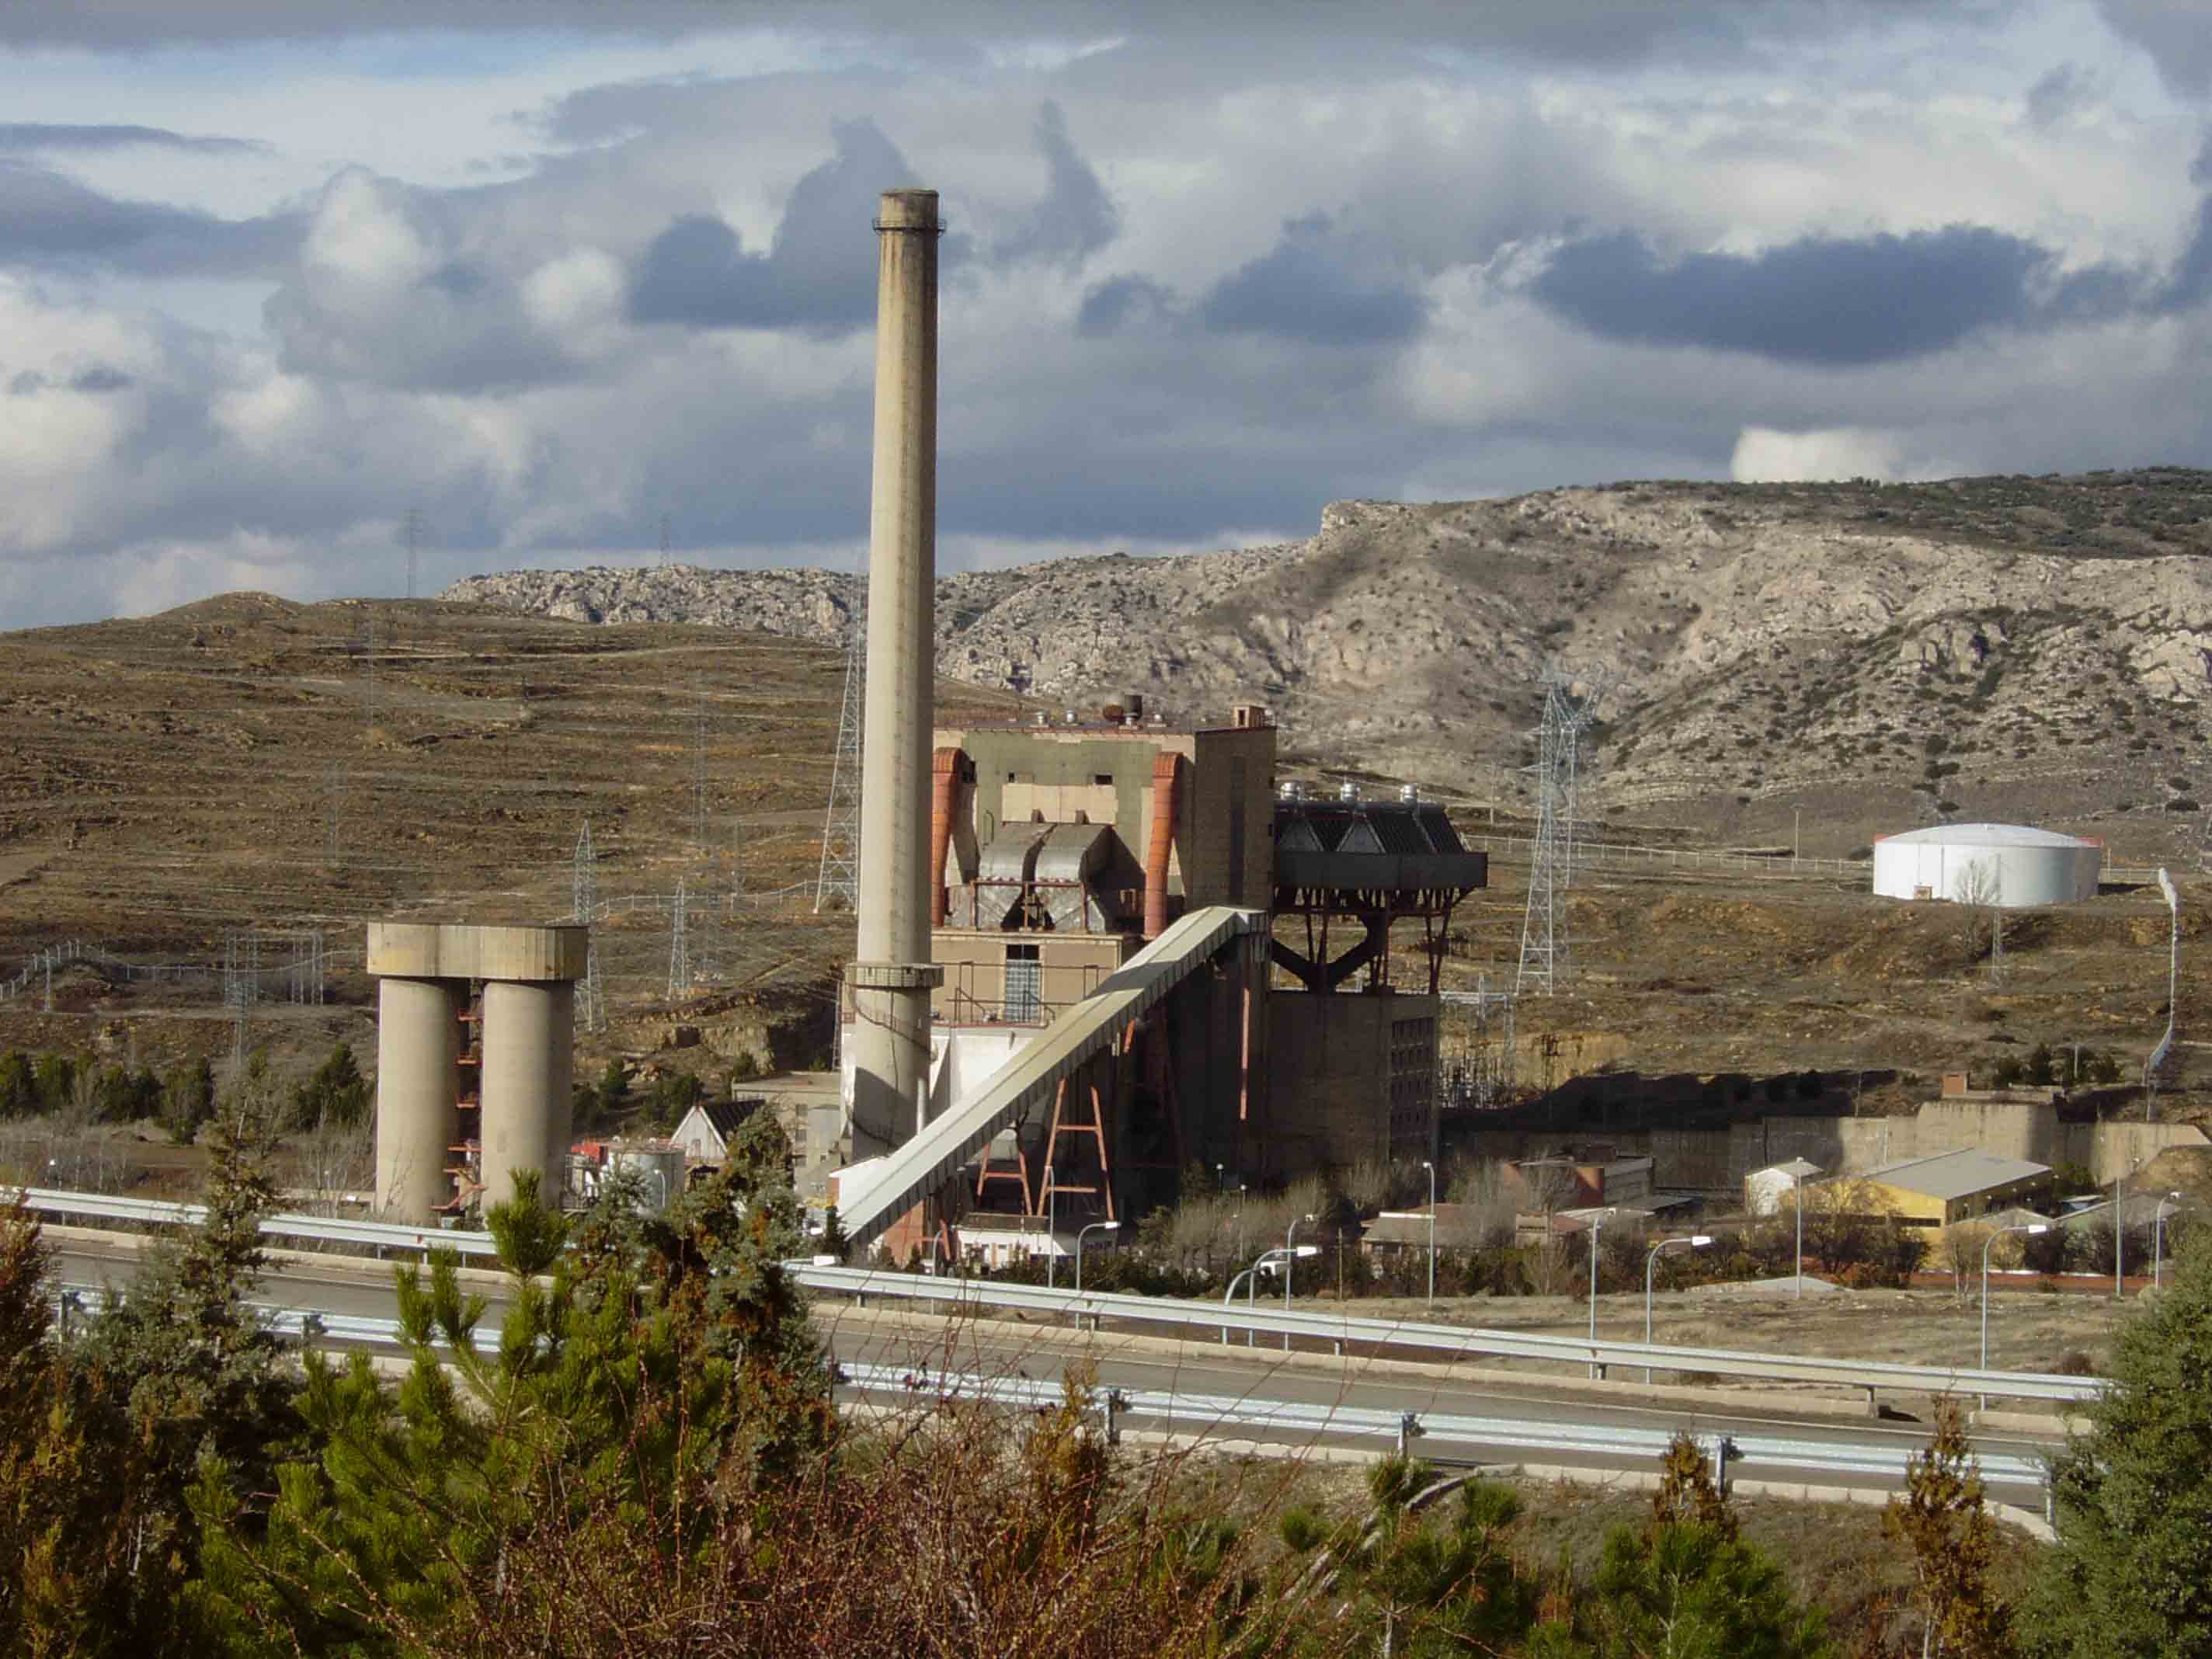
(426, 974)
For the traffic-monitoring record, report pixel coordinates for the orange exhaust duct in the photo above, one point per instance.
(1167, 801)
(943, 793)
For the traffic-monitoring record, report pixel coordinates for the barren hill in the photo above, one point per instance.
(2007, 645)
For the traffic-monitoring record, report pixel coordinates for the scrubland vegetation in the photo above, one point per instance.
(648, 1458)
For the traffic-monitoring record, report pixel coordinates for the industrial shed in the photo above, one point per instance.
(2006, 865)
(1954, 1187)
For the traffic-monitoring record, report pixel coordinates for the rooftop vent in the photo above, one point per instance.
(1067, 717)
(1409, 792)
(1347, 792)
(1040, 718)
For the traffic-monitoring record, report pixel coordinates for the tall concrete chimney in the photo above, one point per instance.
(892, 975)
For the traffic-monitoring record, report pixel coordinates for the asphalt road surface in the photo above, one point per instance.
(928, 1348)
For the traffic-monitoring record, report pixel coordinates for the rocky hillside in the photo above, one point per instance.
(1984, 647)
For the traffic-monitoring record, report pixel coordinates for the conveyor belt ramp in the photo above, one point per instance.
(873, 1196)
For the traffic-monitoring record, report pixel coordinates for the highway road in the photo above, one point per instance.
(1150, 1369)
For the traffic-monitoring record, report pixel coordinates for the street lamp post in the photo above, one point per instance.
(1797, 1287)
(1290, 1261)
(1694, 1240)
(1431, 1169)
(1798, 1184)
(1096, 1226)
(2120, 1229)
(1596, 1221)
(2158, 1238)
(1051, 1226)
(2030, 1228)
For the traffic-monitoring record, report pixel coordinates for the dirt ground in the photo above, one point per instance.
(2030, 1329)
(247, 762)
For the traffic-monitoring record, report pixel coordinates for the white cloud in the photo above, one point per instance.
(453, 327)
(1765, 456)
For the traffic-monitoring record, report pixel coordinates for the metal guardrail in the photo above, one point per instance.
(376, 1235)
(1211, 1415)
(1599, 854)
(1449, 1341)
(1214, 1415)
(1337, 1330)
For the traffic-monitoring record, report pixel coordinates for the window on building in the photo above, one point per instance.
(1106, 778)
(1024, 999)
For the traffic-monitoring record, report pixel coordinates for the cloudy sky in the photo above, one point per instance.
(274, 272)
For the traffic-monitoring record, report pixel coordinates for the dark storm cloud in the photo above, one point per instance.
(1314, 285)
(697, 273)
(2058, 95)
(1603, 31)
(2176, 34)
(1076, 217)
(21, 135)
(1119, 302)
(1833, 302)
(47, 219)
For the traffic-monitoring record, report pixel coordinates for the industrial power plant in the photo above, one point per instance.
(1095, 946)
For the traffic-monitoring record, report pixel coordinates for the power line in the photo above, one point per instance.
(414, 534)
(583, 878)
(838, 877)
(1544, 933)
(679, 947)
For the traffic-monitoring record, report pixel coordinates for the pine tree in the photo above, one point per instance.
(654, 1391)
(335, 1093)
(2132, 1570)
(1942, 1519)
(188, 1099)
(174, 1397)
(1686, 1491)
(1686, 1586)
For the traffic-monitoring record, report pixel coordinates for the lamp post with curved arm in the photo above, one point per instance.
(1431, 1169)
(2158, 1238)
(1096, 1226)
(2031, 1228)
(1695, 1242)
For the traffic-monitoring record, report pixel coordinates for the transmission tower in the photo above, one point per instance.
(839, 877)
(679, 947)
(584, 880)
(1544, 946)
(334, 791)
(368, 657)
(1579, 714)
(699, 768)
(414, 545)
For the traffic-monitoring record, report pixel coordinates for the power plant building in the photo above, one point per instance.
(2003, 865)
(1059, 849)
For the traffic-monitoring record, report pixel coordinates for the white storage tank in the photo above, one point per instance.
(2002, 864)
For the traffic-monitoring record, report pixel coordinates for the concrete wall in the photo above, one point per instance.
(1330, 1078)
(1716, 1160)
(1071, 966)
(1232, 796)
(1224, 850)
(1025, 768)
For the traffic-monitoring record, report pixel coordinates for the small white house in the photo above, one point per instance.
(705, 1132)
(1763, 1190)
